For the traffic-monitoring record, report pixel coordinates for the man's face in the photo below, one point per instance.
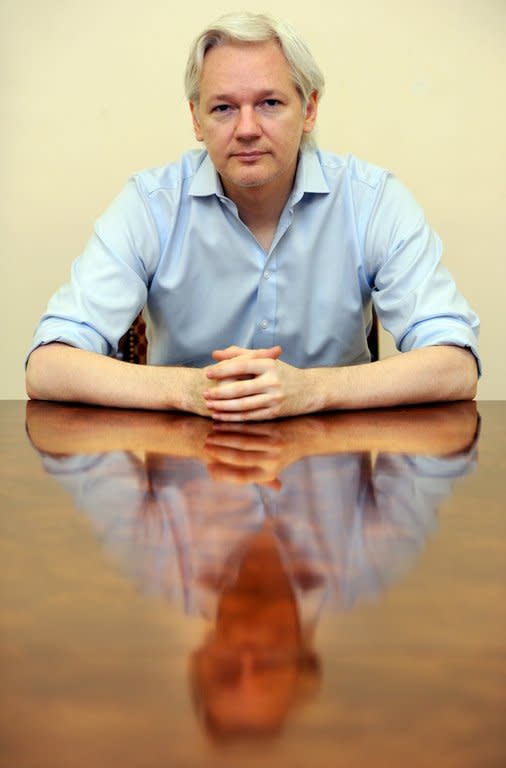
(250, 116)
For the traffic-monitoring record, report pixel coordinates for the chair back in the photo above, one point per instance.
(373, 338)
(133, 345)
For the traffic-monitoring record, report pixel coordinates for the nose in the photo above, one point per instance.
(248, 126)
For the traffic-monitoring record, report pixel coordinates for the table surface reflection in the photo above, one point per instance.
(323, 591)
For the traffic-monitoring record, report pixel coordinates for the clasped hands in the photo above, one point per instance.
(253, 384)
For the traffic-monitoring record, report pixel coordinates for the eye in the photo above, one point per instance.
(221, 108)
(271, 103)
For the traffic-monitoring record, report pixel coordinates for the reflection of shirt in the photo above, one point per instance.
(345, 531)
(349, 231)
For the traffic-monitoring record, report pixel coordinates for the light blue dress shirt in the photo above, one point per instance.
(350, 235)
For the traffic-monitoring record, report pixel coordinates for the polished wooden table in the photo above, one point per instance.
(325, 591)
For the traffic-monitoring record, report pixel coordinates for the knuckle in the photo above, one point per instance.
(272, 380)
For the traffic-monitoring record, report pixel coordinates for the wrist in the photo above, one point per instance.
(320, 386)
(187, 392)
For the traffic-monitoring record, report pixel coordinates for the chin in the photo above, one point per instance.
(252, 180)
(251, 183)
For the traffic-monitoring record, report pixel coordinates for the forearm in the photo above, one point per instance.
(64, 373)
(432, 374)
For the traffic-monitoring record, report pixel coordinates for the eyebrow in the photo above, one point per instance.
(266, 94)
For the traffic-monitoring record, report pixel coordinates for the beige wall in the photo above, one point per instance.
(91, 91)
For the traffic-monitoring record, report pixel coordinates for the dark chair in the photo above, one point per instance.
(133, 346)
(373, 338)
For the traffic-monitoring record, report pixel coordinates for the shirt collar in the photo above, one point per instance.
(206, 180)
(309, 178)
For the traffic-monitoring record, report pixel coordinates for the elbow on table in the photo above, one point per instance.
(466, 376)
(41, 376)
(470, 388)
(32, 377)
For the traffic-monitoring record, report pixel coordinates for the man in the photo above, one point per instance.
(262, 254)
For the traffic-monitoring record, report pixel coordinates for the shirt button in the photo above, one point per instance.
(267, 274)
(264, 324)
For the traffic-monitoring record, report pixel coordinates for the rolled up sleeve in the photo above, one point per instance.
(415, 296)
(108, 282)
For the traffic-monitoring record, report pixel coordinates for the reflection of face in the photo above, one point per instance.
(246, 691)
(249, 669)
(250, 115)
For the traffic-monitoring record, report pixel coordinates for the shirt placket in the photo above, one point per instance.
(266, 308)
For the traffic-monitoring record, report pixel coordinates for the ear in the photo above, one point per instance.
(310, 112)
(196, 122)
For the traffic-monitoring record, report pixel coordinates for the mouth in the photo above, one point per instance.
(250, 156)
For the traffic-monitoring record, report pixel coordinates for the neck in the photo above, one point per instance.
(260, 207)
(263, 199)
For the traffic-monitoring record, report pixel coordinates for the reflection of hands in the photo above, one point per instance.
(246, 454)
(253, 385)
